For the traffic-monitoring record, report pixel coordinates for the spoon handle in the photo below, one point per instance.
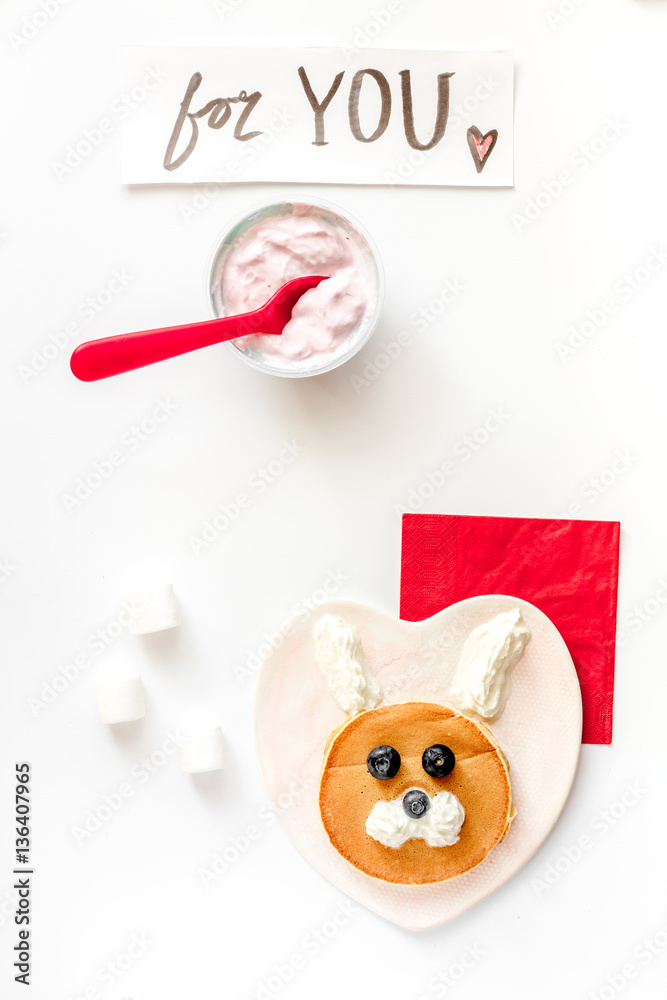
(97, 359)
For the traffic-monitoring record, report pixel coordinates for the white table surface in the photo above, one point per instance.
(576, 922)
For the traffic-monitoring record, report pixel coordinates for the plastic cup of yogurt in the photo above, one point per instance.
(272, 244)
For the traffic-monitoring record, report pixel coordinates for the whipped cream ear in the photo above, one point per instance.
(482, 680)
(341, 658)
(440, 825)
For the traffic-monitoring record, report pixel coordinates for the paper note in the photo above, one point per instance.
(322, 115)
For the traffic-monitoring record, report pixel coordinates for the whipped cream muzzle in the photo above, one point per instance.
(392, 824)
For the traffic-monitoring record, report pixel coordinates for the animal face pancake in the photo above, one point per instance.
(479, 780)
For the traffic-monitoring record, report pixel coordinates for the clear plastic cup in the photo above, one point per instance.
(367, 261)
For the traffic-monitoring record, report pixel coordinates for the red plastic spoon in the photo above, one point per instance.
(98, 359)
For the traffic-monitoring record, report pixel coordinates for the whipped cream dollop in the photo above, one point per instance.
(440, 826)
(482, 680)
(277, 249)
(341, 659)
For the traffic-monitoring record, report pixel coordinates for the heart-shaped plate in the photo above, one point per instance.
(539, 732)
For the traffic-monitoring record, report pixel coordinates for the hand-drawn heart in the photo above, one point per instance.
(481, 145)
(539, 732)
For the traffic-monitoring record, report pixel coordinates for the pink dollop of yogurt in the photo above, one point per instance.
(278, 249)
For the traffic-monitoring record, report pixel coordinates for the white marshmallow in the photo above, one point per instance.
(119, 698)
(203, 751)
(153, 610)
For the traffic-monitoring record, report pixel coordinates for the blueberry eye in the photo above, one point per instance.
(383, 762)
(438, 760)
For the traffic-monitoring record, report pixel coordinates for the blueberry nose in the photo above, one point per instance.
(416, 803)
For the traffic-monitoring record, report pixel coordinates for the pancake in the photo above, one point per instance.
(348, 792)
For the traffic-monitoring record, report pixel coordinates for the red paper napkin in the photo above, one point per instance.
(568, 569)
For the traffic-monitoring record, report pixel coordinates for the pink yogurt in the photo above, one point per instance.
(278, 247)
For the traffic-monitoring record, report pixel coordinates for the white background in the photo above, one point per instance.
(334, 509)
